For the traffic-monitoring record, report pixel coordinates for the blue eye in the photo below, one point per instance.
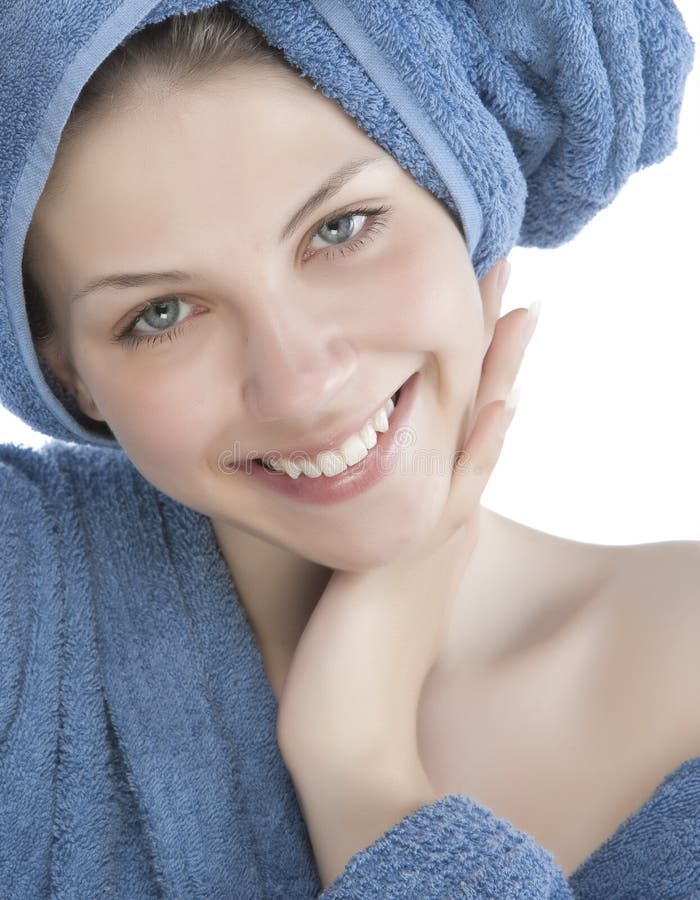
(340, 229)
(345, 232)
(161, 314)
(162, 318)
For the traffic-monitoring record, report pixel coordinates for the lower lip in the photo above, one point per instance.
(380, 460)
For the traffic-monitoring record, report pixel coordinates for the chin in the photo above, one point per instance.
(387, 538)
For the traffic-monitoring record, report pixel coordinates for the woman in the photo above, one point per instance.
(231, 680)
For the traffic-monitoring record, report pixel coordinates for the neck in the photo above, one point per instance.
(278, 590)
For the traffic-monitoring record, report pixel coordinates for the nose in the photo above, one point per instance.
(295, 366)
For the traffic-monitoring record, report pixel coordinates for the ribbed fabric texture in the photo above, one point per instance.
(525, 116)
(138, 751)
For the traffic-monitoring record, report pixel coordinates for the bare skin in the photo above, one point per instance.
(599, 692)
(573, 670)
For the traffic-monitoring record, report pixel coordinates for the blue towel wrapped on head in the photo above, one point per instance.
(525, 117)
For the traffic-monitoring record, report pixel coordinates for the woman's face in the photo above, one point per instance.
(259, 341)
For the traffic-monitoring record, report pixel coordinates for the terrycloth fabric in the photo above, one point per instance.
(138, 751)
(525, 116)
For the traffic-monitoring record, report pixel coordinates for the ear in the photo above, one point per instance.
(68, 378)
(492, 286)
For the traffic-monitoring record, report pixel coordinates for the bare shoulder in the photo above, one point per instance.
(651, 608)
(668, 569)
(657, 586)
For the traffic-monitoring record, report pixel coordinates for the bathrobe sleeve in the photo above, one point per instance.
(453, 848)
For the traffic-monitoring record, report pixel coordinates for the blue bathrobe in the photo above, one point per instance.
(138, 751)
(138, 756)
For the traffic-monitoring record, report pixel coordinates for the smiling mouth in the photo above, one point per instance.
(265, 465)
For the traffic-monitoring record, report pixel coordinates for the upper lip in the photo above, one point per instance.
(331, 441)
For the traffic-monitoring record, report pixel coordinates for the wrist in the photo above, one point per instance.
(402, 774)
(347, 811)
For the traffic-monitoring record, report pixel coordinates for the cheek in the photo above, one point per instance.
(435, 296)
(155, 413)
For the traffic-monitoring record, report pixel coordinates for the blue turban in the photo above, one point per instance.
(525, 117)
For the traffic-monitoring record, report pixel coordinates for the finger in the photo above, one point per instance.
(503, 360)
(475, 463)
(492, 287)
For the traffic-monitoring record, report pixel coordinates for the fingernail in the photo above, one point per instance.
(503, 276)
(533, 314)
(509, 408)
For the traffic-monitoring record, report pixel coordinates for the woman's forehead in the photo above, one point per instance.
(198, 168)
(261, 134)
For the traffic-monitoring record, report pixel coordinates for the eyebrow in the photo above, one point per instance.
(330, 187)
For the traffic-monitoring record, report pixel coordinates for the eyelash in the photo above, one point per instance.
(375, 222)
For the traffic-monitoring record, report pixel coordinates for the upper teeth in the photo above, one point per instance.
(351, 451)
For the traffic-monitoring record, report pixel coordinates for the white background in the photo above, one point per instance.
(605, 443)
